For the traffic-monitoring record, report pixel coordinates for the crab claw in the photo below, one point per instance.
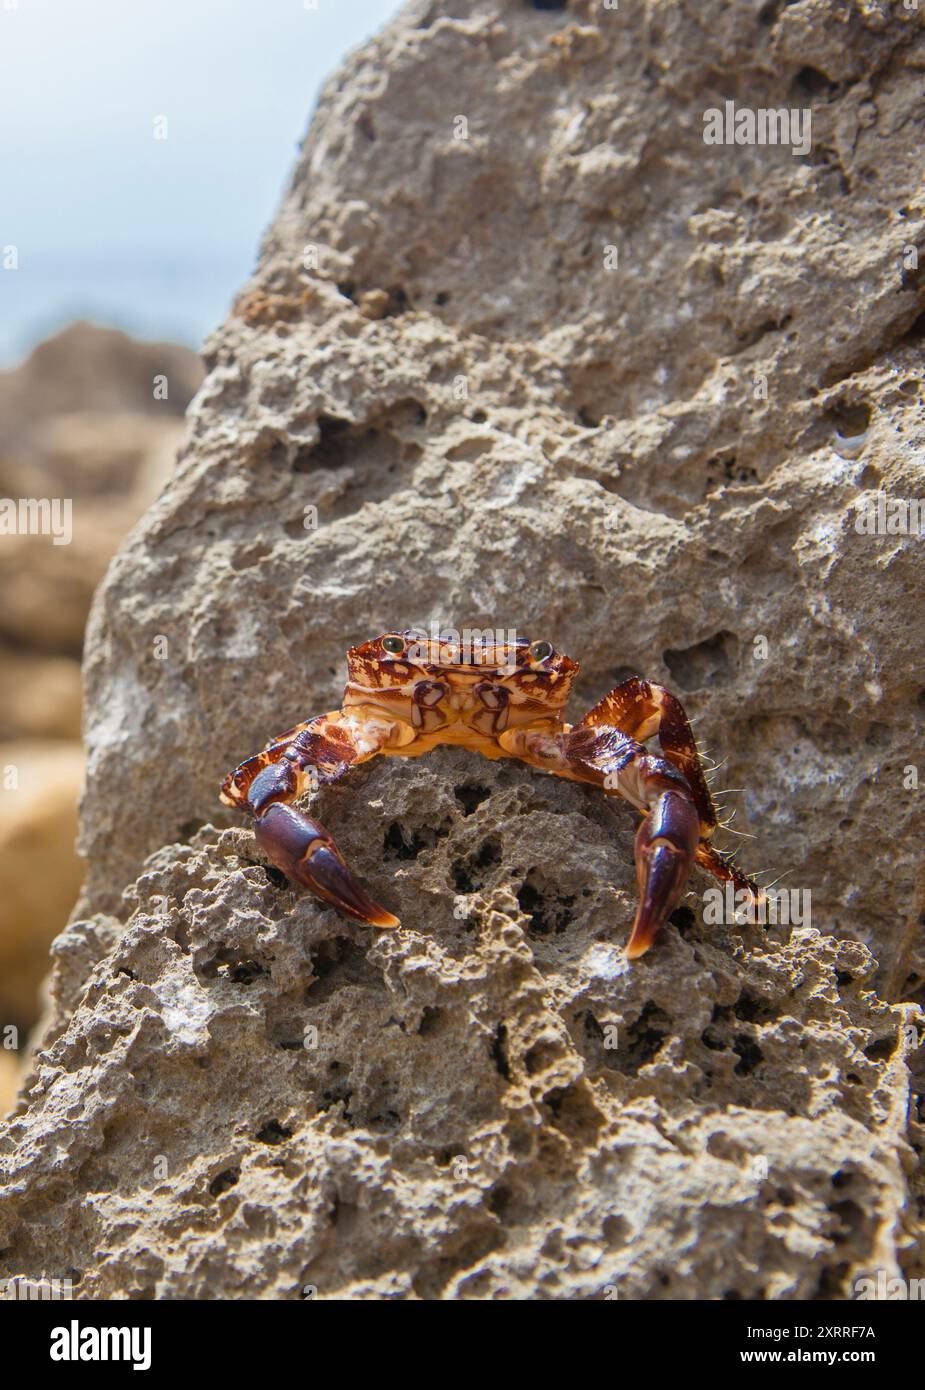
(666, 842)
(305, 852)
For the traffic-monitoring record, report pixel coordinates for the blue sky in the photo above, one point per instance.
(109, 223)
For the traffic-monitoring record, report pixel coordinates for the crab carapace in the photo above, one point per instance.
(407, 693)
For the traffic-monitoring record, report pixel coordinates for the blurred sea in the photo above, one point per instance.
(149, 297)
(144, 148)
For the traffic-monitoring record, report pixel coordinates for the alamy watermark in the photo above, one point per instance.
(884, 1289)
(729, 125)
(22, 1290)
(37, 516)
(468, 646)
(731, 907)
(881, 515)
(90, 1343)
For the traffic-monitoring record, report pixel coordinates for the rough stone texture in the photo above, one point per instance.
(615, 478)
(460, 1128)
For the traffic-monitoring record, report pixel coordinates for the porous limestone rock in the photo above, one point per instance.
(521, 351)
(244, 1095)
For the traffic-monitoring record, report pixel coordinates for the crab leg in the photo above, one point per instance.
(669, 832)
(678, 818)
(640, 709)
(302, 848)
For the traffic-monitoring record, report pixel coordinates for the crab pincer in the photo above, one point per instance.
(301, 847)
(666, 843)
(307, 854)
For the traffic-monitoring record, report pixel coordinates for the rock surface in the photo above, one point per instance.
(655, 464)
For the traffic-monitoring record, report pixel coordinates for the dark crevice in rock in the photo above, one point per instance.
(707, 663)
(549, 912)
(470, 796)
(224, 1181)
(499, 1052)
(273, 1133)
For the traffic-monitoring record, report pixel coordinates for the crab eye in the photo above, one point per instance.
(395, 645)
(540, 650)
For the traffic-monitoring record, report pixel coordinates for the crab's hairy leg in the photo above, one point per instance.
(321, 750)
(640, 709)
(724, 867)
(669, 833)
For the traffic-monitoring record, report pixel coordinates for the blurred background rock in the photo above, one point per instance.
(145, 213)
(80, 418)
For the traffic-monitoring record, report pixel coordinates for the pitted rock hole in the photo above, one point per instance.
(707, 663)
(550, 913)
(224, 1181)
(470, 796)
(273, 1133)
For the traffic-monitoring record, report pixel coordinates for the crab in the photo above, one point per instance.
(407, 693)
